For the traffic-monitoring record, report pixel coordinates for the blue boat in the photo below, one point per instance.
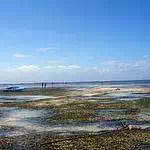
(14, 89)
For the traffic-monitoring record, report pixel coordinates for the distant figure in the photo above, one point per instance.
(42, 85)
(45, 85)
(52, 84)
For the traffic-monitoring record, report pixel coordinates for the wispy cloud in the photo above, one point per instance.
(45, 49)
(23, 68)
(63, 67)
(21, 55)
(57, 71)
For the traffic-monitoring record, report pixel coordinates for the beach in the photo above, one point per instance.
(92, 117)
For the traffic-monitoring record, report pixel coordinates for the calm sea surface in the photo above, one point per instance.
(112, 84)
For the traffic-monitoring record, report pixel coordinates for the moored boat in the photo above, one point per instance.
(14, 89)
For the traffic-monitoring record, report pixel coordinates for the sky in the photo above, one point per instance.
(77, 40)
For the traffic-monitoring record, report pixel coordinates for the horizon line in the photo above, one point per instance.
(64, 82)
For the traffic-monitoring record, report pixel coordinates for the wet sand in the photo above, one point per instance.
(74, 112)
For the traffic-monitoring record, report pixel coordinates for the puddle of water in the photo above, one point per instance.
(126, 95)
(30, 121)
(95, 126)
(23, 120)
(144, 116)
(23, 98)
(12, 115)
(27, 121)
(112, 113)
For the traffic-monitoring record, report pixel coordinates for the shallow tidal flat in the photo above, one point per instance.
(73, 118)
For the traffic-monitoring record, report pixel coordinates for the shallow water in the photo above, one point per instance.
(15, 121)
(144, 116)
(24, 125)
(23, 98)
(125, 95)
(111, 84)
(24, 120)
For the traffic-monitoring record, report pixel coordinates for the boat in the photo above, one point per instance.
(14, 89)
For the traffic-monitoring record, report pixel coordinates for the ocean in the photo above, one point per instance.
(103, 84)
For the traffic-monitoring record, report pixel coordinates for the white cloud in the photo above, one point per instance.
(74, 67)
(45, 49)
(68, 67)
(58, 71)
(23, 68)
(62, 67)
(21, 55)
(28, 68)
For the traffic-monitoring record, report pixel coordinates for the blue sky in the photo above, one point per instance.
(63, 40)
